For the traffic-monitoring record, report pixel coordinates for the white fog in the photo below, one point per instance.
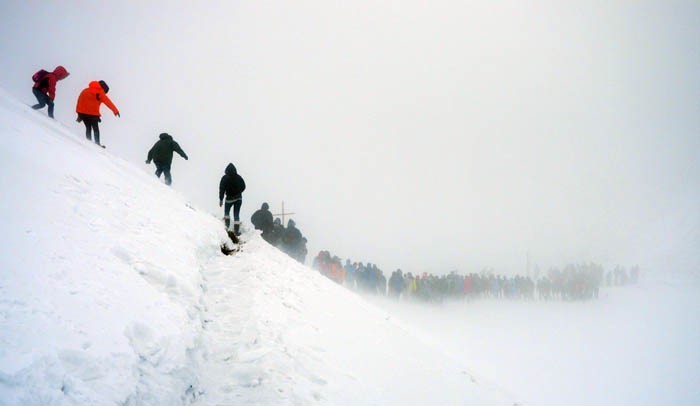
(493, 152)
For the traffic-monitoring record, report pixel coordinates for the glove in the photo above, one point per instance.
(221, 203)
(148, 161)
(117, 114)
(186, 158)
(79, 119)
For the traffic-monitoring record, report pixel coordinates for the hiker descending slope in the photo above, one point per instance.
(232, 185)
(44, 88)
(162, 155)
(88, 108)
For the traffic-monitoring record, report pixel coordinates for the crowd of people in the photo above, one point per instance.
(288, 239)
(573, 282)
(357, 276)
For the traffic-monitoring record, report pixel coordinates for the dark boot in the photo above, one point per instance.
(227, 221)
(237, 227)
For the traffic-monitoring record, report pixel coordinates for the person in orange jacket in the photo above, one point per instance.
(88, 108)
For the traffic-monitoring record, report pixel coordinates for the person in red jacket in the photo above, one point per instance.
(88, 108)
(44, 88)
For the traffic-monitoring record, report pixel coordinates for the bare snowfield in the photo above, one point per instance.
(636, 345)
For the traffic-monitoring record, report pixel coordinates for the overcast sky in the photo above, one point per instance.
(566, 130)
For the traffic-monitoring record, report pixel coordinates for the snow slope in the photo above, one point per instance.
(113, 290)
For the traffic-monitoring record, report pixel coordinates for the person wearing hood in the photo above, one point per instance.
(262, 220)
(88, 108)
(292, 241)
(162, 155)
(232, 186)
(276, 233)
(44, 88)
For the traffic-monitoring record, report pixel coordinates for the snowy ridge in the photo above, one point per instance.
(101, 298)
(114, 290)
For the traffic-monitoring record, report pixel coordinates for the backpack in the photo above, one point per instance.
(39, 75)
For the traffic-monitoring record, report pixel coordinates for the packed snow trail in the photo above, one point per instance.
(114, 291)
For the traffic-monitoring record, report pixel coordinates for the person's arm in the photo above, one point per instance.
(52, 86)
(176, 148)
(242, 184)
(107, 101)
(222, 189)
(150, 155)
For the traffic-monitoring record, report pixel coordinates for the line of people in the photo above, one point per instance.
(231, 185)
(289, 239)
(573, 282)
(357, 276)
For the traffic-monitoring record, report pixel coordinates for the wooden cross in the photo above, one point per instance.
(283, 214)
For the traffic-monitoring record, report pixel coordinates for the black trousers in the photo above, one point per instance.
(164, 168)
(92, 125)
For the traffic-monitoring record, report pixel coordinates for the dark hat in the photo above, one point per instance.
(265, 206)
(104, 86)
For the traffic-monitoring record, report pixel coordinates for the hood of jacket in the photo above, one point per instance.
(230, 170)
(166, 136)
(60, 72)
(265, 206)
(95, 86)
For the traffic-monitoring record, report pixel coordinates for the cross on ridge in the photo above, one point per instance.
(283, 214)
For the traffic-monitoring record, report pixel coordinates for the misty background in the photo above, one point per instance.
(563, 130)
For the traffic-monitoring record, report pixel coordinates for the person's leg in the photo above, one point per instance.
(96, 130)
(40, 98)
(166, 172)
(227, 210)
(88, 128)
(236, 215)
(159, 169)
(50, 103)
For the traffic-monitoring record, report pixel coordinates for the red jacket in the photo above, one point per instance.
(91, 98)
(48, 84)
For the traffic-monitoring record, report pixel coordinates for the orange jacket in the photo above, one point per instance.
(91, 98)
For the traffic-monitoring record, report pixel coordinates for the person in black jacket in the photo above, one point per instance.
(292, 242)
(232, 185)
(396, 284)
(162, 155)
(262, 220)
(276, 233)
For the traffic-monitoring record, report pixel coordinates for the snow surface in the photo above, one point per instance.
(114, 291)
(635, 345)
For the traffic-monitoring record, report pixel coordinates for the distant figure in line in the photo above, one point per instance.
(44, 88)
(232, 186)
(88, 108)
(162, 155)
(262, 220)
(276, 233)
